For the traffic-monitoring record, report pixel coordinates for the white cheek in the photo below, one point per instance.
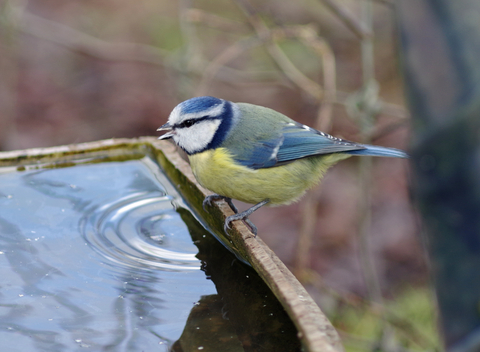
(197, 137)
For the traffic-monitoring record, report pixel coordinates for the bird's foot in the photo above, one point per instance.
(208, 201)
(244, 216)
(239, 216)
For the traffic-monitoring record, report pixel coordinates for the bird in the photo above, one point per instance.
(255, 154)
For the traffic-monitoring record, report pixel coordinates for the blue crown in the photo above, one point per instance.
(199, 104)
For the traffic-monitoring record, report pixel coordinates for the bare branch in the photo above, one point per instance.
(348, 19)
(87, 44)
(221, 23)
(221, 60)
(283, 62)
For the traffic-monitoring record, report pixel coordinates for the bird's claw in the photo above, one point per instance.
(237, 216)
(240, 216)
(226, 226)
(208, 201)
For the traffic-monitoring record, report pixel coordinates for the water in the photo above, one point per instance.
(107, 257)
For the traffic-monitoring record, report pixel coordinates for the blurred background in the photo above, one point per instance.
(78, 71)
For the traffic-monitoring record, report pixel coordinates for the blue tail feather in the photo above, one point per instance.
(379, 151)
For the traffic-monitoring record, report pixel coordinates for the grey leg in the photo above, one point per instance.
(244, 216)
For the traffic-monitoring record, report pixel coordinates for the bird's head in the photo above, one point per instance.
(201, 123)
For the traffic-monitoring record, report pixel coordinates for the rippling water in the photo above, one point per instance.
(95, 257)
(99, 257)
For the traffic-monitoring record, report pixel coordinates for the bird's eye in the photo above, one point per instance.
(187, 123)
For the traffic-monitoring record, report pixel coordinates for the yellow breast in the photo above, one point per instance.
(217, 171)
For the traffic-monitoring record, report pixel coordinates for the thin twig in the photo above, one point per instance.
(283, 62)
(308, 222)
(193, 54)
(323, 50)
(85, 44)
(221, 60)
(306, 35)
(323, 122)
(199, 16)
(368, 110)
(360, 30)
(88, 45)
(390, 109)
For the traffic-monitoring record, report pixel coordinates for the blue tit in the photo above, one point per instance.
(255, 154)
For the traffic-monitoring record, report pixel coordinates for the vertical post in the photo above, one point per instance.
(440, 44)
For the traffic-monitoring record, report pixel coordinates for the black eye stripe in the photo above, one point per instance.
(190, 122)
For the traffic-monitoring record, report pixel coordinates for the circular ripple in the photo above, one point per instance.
(141, 230)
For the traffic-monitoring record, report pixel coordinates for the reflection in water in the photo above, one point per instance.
(244, 302)
(208, 327)
(99, 257)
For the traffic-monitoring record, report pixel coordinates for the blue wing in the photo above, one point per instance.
(294, 141)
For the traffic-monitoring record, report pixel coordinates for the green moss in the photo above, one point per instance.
(408, 321)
